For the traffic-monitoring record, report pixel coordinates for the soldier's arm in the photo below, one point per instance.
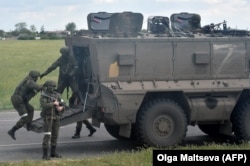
(45, 104)
(33, 89)
(52, 67)
(34, 86)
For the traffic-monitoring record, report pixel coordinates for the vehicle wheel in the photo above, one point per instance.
(133, 135)
(113, 130)
(240, 121)
(161, 123)
(210, 129)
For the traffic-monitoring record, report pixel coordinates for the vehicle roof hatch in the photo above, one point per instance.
(117, 24)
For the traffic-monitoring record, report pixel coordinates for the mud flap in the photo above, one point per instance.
(125, 130)
(110, 102)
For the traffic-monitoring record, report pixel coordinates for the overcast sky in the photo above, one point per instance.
(55, 14)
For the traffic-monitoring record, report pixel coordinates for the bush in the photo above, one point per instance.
(51, 36)
(26, 37)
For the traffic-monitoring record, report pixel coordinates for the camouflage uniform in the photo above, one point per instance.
(51, 115)
(92, 130)
(68, 68)
(20, 100)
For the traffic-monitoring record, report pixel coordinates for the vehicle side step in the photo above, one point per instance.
(70, 115)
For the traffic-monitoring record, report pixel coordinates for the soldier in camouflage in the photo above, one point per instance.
(20, 100)
(68, 67)
(67, 72)
(92, 130)
(51, 113)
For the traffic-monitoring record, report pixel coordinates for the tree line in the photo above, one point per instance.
(22, 32)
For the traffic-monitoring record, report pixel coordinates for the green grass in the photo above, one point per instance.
(142, 157)
(18, 58)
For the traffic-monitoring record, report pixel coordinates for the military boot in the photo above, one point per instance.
(12, 131)
(92, 130)
(53, 153)
(45, 154)
(77, 134)
(28, 126)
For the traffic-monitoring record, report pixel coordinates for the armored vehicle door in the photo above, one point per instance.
(115, 24)
(99, 22)
(84, 72)
(126, 24)
(192, 59)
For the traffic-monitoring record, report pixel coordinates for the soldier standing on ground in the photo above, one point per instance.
(20, 100)
(51, 113)
(67, 73)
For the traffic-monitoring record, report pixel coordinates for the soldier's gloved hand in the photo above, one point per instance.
(56, 103)
(59, 108)
(41, 76)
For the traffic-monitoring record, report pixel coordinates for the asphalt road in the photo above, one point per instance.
(28, 145)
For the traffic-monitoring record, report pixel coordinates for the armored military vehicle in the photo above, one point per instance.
(150, 86)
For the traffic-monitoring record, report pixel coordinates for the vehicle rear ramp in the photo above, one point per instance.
(70, 115)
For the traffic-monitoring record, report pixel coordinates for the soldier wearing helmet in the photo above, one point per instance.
(49, 83)
(23, 93)
(34, 74)
(64, 50)
(51, 112)
(67, 70)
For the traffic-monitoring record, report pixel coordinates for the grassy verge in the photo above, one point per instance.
(18, 58)
(141, 157)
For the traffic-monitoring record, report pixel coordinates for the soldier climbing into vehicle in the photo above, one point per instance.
(67, 78)
(23, 93)
(67, 69)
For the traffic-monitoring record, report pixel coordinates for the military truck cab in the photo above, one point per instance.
(151, 86)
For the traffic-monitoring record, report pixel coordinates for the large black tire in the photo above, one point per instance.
(241, 121)
(161, 123)
(113, 130)
(210, 129)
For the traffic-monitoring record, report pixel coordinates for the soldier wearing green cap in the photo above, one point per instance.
(23, 93)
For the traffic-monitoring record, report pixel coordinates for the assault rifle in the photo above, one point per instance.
(61, 101)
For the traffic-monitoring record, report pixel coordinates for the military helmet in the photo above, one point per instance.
(34, 73)
(64, 49)
(50, 83)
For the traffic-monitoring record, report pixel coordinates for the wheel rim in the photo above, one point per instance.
(163, 126)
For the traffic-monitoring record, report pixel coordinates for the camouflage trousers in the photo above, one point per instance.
(79, 125)
(51, 131)
(24, 109)
(64, 82)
